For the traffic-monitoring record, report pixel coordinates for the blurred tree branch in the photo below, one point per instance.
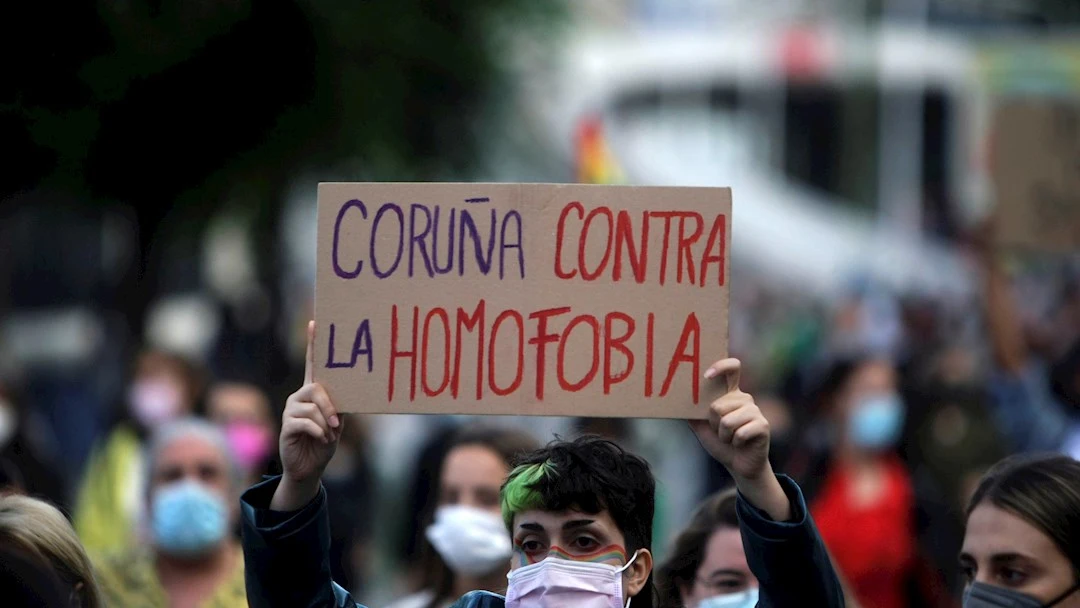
(171, 105)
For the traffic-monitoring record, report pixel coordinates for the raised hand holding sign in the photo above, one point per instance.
(737, 436)
(310, 429)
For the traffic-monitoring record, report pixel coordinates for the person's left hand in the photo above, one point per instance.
(737, 436)
(736, 433)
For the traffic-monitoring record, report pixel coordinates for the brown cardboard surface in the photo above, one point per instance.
(1036, 167)
(389, 283)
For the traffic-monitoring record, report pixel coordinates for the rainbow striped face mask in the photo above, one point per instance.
(562, 582)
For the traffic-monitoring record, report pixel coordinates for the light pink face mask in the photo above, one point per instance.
(562, 582)
(154, 401)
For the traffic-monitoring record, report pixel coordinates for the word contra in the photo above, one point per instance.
(620, 240)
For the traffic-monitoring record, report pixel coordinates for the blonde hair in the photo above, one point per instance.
(41, 530)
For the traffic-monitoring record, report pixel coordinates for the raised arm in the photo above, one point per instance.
(286, 530)
(1002, 319)
(310, 429)
(783, 547)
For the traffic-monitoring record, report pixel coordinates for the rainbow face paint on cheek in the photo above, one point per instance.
(613, 554)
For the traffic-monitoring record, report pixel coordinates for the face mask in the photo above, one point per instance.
(154, 401)
(472, 542)
(562, 582)
(9, 422)
(251, 443)
(188, 520)
(743, 599)
(876, 422)
(981, 595)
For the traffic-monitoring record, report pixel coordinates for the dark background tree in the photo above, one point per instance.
(168, 106)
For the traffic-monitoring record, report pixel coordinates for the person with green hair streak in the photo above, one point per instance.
(579, 513)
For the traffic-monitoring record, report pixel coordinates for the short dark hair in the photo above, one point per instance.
(589, 474)
(688, 551)
(1043, 490)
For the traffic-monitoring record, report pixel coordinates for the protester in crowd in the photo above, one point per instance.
(26, 465)
(191, 558)
(708, 567)
(1021, 547)
(243, 411)
(41, 532)
(1036, 387)
(580, 514)
(467, 546)
(164, 387)
(865, 504)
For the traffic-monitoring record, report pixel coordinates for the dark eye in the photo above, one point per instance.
(487, 497)
(728, 585)
(530, 546)
(969, 573)
(209, 473)
(449, 496)
(585, 543)
(1012, 577)
(172, 474)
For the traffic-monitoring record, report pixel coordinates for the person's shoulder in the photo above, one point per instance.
(480, 599)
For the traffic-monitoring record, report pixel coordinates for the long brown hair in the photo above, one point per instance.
(1043, 491)
(688, 551)
(508, 443)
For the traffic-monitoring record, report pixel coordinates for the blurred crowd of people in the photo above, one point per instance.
(886, 409)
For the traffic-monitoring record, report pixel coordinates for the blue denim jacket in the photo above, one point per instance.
(287, 565)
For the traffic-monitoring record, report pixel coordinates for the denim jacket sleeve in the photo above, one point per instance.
(788, 558)
(286, 555)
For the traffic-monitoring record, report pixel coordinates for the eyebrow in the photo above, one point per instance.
(726, 572)
(570, 525)
(577, 523)
(999, 558)
(1004, 558)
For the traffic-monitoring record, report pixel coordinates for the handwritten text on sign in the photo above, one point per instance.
(521, 298)
(1036, 165)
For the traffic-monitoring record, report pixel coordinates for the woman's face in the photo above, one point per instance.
(1004, 550)
(871, 379)
(472, 476)
(723, 571)
(192, 459)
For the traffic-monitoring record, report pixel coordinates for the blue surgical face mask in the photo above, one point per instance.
(742, 599)
(876, 421)
(188, 519)
(981, 595)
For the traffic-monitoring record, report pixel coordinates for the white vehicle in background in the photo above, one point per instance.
(710, 107)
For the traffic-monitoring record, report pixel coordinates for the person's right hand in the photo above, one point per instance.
(310, 429)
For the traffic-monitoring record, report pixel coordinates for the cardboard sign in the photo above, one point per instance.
(1036, 165)
(524, 299)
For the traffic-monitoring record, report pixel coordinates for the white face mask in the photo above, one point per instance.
(471, 541)
(563, 582)
(742, 599)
